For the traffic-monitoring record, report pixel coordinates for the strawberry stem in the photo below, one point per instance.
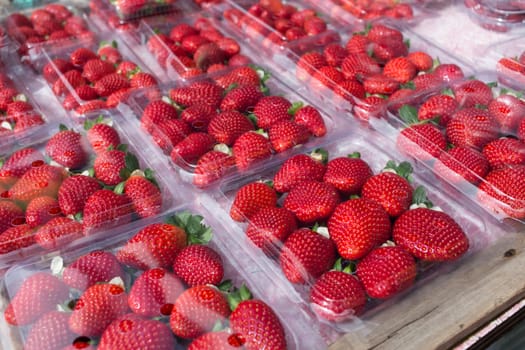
(420, 197)
(408, 114)
(404, 169)
(295, 107)
(320, 155)
(197, 232)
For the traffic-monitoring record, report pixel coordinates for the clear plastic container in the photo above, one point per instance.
(486, 15)
(299, 331)
(254, 233)
(218, 124)
(469, 134)
(508, 58)
(127, 11)
(49, 181)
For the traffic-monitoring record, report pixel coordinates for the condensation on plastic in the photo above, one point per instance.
(239, 267)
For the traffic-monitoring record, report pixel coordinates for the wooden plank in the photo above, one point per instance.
(450, 307)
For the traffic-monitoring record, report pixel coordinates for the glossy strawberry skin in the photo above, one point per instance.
(104, 209)
(42, 180)
(57, 232)
(102, 136)
(472, 127)
(10, 215)
(74, 191)
(211, 167)
(312, 201)
(18, 164)
(462, 163)
(15, 238)
(40, 210)
(50, 332)
(66, 149)
(310, 117)
(107, 166)
(199, 265)
(250, 148)
(192, 147)
(296, 169)
(250, 198)
(226, 127)
(504, 152)
(286, 134)
(390, 190)
(271, 109)
(347, 174)
(422, 141)
(145, 196)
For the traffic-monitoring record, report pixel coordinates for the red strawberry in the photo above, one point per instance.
(170, 132)
(242, 98)
(40, 210)
(212, 166)
(380, 84)
(400, 69)
(472, 127)
(52, 69)
(347, 174)
(108, 166)
(286, 134)
(101, 137)
(26, 121)
(10, 215)
(69, 80)
(335, 54)
(310, 117)
(105, 209)
(391, 190)
(351, 90)
(142, 80)
(243, 75)
(508, 111)
(312, 201)
(182, 30)
(506, 63)
(462, 163)
(18, 164)
(95, 69)
(238, 60)
(449, 72)
(503, 191)
(18, 107)
(308, 64)
(83, 92)
(221, 340)
(154, 292)
(92, 268)
(230, 46)
(130, 7)
(155, 112)
(198, 265)
(357, 44)
(197, 310)
(50, 332)
(144, 194)
(337, 296)
(59, 12)
(38, 294)
(134, 332)
(386, 271)
(438, 106)
(270, 227)
(357, 226)
(65, 148)
(57, 232)
(421, 60)
(422, 141)
(126, 68)
(154, 246)
(191, 148)
(296, 169)
(117, 97)
(111, 83)
(90, 106)
(16, 238)
(249, 148)
(270, 110)
(327, 76)
(472, 93)
(74, 192)
(81, 56)
(430, 235)
(504, 151)
(198, 116)
(98, 306)
(207, 54)
(258, 325)
(191, 43)
(250, 198)
(306, 255)
(43, 180)
(109, 52)
(357, 66)
(227, 126)
(427, 81)
(198, 92)
(7, 96)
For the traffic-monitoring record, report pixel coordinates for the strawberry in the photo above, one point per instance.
(238, 60)
(243, 75)
(212, 166)
(16, 238)
(207, 54)
(430, 235)
(357, 44)
(181, 30)
(306, 255)
(508, 111)
(39, 294)
(26, 121)
(357, 66)
(380, 84)
(310, 118)
(505, 64)
(400, 69)
(250, 198)
(104, 209)
(347, 174)
(111, 83)
(230, 46)
(144, 193)
(327, 76)
(83, 92)
(98, 306)
(503, 191)
(57, 232)
(170, 132)
(198, 92)
(337, 296)
(40, 210)
(472, 93)
(438, 106)
(449, 72)
(90, 106)
(74, 191)
(503, 152)
(350, 90)
(101, 136)
(154, 292)
(462, 163)
(92, 268)
(192, 147)
(50, 332)
(296, 169)
(198, 265)
(155, 112)
(271, 109)
(7, 96)
(421, 60)
(308, 64)
(18, 107)
(81, 56)
(258, 325)
(156, 245)
(108, 51)
(69, 80)
(66, 149)
(134, 332)
(227, 126)
(59, 12)
(197, 310)
(421, 141)
(95, 69)
(312, 201)
(286, 134)
(357, 226)
(249, 148)
(269, 227)
(334, 54)
(142, 80)
(472, 127)
(126, 68)
(242, 98)
(114, 166)
(10, 215)
(386, 271)
(221, 340)
(427, 81)
(43, 180)
(199, 116)
(191, 43)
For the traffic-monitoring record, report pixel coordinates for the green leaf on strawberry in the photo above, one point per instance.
(408, 114)
(295, 107)
(122, 147)
(150, 176)
(62, 127)
(197, 232)
(88, 124)
(410, 85)
(236, 296)
(420, 197)
(132, 163)
(404, 169)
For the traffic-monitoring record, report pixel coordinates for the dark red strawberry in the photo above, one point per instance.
(242, 98)
(503, 192)
(337, 296)
(81, 56)
(57, 232)
(83, 92)
(357, 226)
(250, 198)
(170, 132)
(310, 117)
(15, 238)
(144, 193)
(110, 166)
(357, 66)
(197, 310)
(111, 83)
(227, 126)
(243, 75)
(104, 209)
(306, 255)
(198, 92)
(182, 30)
(40, 210)
(286, 134)
(503, 152)
(380, 84)
(155, 112)
(472, 93)
(249, 148)
(221, 340)
(191, 148)
(438, 106)
(386, 271)
(198, 265)
(30, 302)
(207, 54)
(198, 116)
(270, 227)
(270, 110)
(347, 174)
(357, 44)
(98, 306)
(95, 69)
(154, 293)
(50, 332)
(74, 191)
(312, 201)
(10, 215)
(400, 69)
(92, 268)
(66, 149)
(422, 141)
(308, 64)
(335, 54)
(69, 80)
(43, 180)
(472, 127)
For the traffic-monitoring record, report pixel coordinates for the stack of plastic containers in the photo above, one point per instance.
(194, 200)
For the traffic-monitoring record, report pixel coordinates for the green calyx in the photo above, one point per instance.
(88, 124)
(320, 155)
(408, 114)
(346, 266)
(355, 155)
(420, 197)
(403, 169)
(295, 107)
(236, 296)
(196, 231)
(131, 164)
